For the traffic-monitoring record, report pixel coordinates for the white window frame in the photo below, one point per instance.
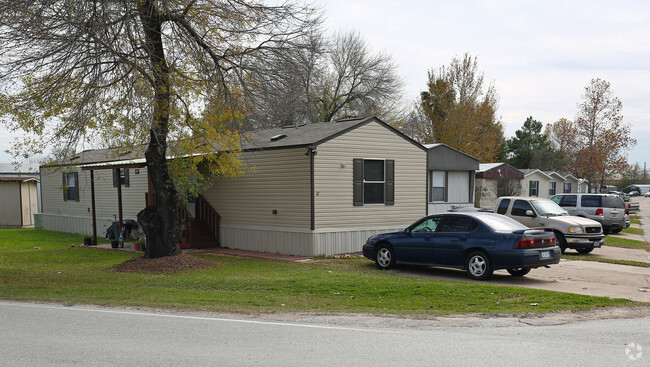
(382, 182)
(432, 186)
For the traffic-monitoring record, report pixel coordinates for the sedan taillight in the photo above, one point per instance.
(526, 242)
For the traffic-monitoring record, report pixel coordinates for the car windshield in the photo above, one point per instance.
(501, 223)
(548, 208)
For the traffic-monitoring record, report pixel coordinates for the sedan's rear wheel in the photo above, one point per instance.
(478, 265)
(518, 272)
(385, 257)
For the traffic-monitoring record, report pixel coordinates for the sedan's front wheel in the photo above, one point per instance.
(478, 266)
(385, 257)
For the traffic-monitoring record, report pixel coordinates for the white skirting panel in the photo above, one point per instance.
(74, 223)
(266, 240)
(292, 241)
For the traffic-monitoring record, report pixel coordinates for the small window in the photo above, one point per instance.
(124, 176)
(551, 188)
(70, 186)
(438, 186)
(533, 188)
(520, 207)
(567, 187)
(374, 181)
(503, 206)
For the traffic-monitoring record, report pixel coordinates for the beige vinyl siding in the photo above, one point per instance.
(280, 182)
(486, 192)
(106, 203)
(333, 180)
(28, 195)
(542, 188)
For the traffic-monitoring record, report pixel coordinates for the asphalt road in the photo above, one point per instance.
(50, 335)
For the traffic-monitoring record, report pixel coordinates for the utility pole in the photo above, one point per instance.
(644, 172)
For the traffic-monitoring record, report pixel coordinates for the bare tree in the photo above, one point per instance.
(335, 77)
(149, 71)
(356, 81)
(282, 93)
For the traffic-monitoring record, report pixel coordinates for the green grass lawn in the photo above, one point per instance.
(632, 230)
(43, 266)
(625, 243)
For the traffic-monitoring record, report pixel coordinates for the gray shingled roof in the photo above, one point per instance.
(302, 135)
(275, 138)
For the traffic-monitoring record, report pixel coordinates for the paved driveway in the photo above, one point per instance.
(581, 277)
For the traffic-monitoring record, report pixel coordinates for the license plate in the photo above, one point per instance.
(545, 255)
(597, 243)
(614, 216)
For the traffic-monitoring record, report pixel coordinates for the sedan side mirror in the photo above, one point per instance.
(407, 230)
(529, 213)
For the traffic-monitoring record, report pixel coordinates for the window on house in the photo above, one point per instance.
(551, 188)
(567, 187)
(124, 176)
(438, 186)
(533, 188)
(70, 186)
(374, 181)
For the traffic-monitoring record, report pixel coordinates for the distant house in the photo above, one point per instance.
(19, 200)
(571, 184)
(451, 178)
(537, 183)
(315, 189)
(494, 180)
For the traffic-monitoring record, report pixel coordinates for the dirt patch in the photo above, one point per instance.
(167, 264)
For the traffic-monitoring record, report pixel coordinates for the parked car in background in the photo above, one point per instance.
(581, 234)
(647, 194)
(478, 242)
(607, 209)
(630, 206)
(628, 222)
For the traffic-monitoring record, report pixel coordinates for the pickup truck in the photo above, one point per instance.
(578, 233)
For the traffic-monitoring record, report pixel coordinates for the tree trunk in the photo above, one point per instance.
(160, 221)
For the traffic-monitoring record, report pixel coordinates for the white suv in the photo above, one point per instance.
(607, 209)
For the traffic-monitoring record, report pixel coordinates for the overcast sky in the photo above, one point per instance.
(539, 54)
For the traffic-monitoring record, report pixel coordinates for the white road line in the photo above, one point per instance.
(187, 317)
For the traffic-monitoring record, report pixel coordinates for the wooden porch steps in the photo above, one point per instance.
(201, 236)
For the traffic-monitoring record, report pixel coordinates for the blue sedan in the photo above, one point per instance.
(477, 242)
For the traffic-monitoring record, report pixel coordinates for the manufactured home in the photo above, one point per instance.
(313, 189)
